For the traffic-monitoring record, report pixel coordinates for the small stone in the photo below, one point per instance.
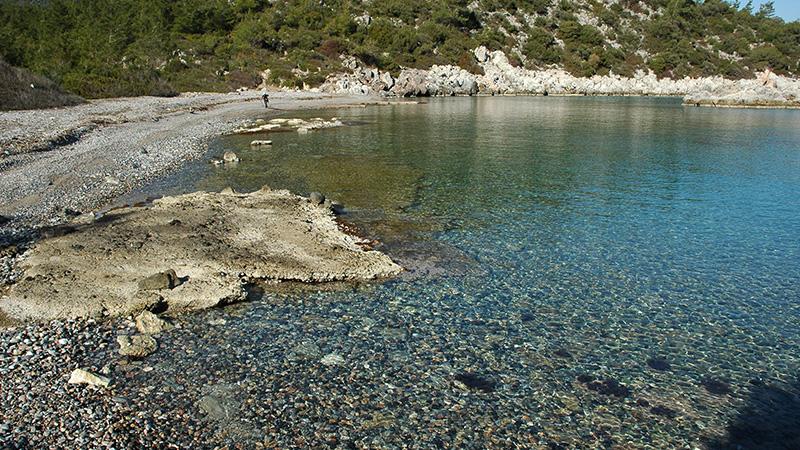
(307, 350)
(149, 323)
(230, 157)
(716, 386)
(663, 411)
(332, 360)
(337, 208)
(476, 382)
(316, 198)
(563, 353)
(162, 280)
(84, 219)
(114, 181)
(137, 346)
(260, 143)
(81, 376)
(212, 407)
(658, 363)
(609, 386)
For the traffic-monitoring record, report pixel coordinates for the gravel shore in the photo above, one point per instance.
(56, 163)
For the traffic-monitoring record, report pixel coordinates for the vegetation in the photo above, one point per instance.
(20, 89)
(101, 48)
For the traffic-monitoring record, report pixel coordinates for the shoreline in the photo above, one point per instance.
(116, 146)
(270, 371)
(498, 76)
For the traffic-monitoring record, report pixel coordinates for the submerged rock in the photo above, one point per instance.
(608, 386)
(230, 157)
(212, 407)
(308, 350)
(658, 363)
(258, 143)
(137, 346)
(332, 360)
(716, 386)
(664, 411)
(81, 376)
(563, 353)
(476, 382)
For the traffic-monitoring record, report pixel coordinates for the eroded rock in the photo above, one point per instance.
(316, 198)
(82, 376)
(213, 240)
(149, 323)
(162, 280)
(137, 346)
(230, 157)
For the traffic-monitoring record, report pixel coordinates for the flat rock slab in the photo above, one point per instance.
(212, 242)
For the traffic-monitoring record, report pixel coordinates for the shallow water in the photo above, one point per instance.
(583, 272)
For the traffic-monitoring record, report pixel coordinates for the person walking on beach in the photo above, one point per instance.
(265, 97)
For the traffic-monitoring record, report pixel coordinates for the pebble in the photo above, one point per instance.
(332, 360)
(81, 376)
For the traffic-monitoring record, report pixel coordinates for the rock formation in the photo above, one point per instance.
(186, 252)
(500, 77)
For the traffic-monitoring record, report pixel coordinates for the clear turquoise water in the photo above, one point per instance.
(549, 240)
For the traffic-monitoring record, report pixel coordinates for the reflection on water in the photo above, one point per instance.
(608, 271)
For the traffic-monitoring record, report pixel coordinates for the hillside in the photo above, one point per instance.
(101, 48)
(20, 89)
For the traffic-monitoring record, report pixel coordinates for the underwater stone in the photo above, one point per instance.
(663, 411)
(609, 386)
(658, 363)
(716, 386)
(476, 382)
(563, 353)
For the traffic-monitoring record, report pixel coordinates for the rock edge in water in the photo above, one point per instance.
(215, 244)
(500, 77)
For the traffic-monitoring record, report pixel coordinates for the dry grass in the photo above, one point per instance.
(20, 89)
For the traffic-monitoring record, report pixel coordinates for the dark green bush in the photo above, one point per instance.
(100, 48)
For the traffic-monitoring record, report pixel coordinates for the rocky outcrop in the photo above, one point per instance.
(768, 91)
(205, 248)
(437, 81)
(500, 77)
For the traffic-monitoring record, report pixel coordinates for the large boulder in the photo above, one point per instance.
(412, 83)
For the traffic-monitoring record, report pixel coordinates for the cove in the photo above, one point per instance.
(582, 272)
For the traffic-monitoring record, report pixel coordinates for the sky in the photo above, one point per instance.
(789, 10)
